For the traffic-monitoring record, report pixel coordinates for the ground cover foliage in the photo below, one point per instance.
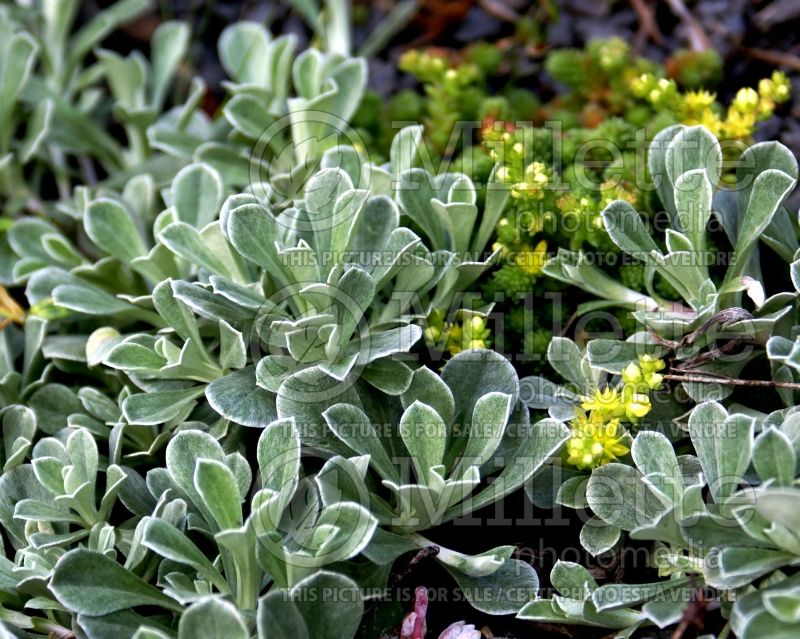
(283, 357)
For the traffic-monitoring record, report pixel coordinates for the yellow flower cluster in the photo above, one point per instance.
(532, 260)
(457, 336)
(466, 335)
(576, 204)
(528, 181)
(595, 442)
(611, 403)
(581, 206)
(612, 54)
(698, 101)
(534, 182)
(598, 436)
(661, 93)
(436, 68)
(700, 107)
(644, 375)
(776, 88)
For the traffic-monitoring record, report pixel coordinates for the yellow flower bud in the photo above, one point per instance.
(746, 100)
(777, 88)
(637, 407)
(653, 380)
(766, 107)
(632, 374)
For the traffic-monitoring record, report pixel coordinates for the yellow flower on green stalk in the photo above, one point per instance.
(746, 100)
(660, 92)
(533, 184)
(435, 332)
(468, 334)
(698, 101)
(457, 336)
(576, 205)
(611, 403)
(536, 172)
(652, 363)
(595, 441)
(645, 373)
(432, 335)
(495, 139)
(632, 374)
(738, 124)
(709, 119)
(700, 107)
(765, 109)
(776, 88)
(608, 403)
(532, 261)
(612, 55)
(425, 65)
(639, 84)
(635, 405)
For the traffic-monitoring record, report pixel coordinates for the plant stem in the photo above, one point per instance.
(731, 381)
(648, 28)
(698, 37)
(773, 57)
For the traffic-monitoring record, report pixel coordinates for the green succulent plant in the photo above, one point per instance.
(284, 112)
(720, 518)
(588, 148)
(332, 286)
(219, 417)
(262, 316)
(51, 87)
(688, 161)
(433, 449)
(283, 536)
